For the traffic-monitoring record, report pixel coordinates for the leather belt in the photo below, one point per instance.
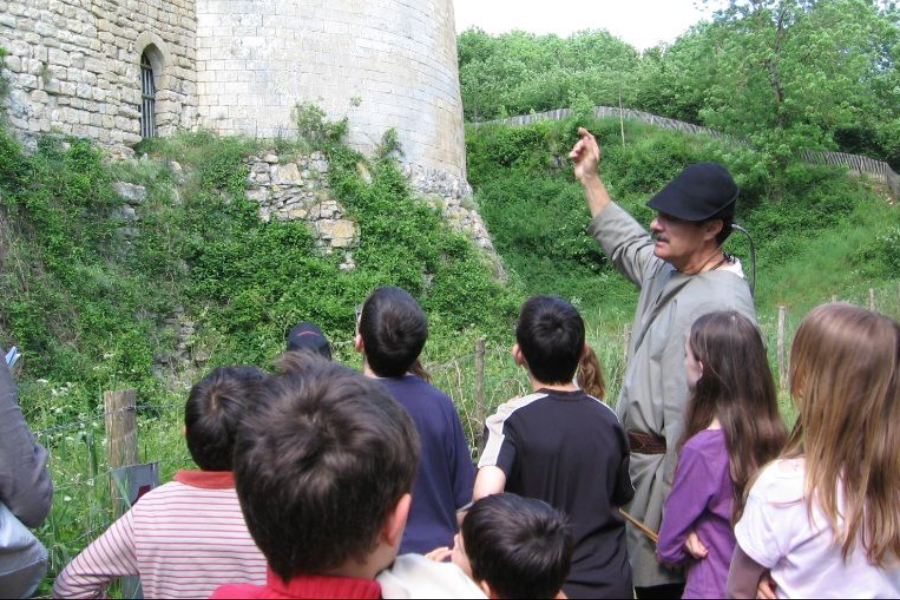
(645, 443)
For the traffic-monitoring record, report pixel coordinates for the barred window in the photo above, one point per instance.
(148, 103)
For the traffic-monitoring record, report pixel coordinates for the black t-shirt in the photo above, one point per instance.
(569, 450)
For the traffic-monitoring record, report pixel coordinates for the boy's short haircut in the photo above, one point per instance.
(394, 329)
(213, 413)
(321, 461)
(551, 336)
(521, 548)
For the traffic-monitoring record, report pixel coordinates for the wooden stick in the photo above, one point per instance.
(640, 527)
(872, 305)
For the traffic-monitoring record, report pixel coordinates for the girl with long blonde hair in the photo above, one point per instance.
(824, 519)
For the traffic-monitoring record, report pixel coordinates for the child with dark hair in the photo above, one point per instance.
(188, 537)
(733, 429)
(513, 547)
(307, 337)
(392, 333)
(324, 465)
(564, 447)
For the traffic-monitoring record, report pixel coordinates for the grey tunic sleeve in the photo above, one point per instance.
(629, 246)
(25, 486)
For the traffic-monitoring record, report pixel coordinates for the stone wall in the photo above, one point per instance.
(382, 63)
(297, 189)
(74, 65)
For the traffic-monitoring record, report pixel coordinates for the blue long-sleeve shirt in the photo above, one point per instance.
(446, 474)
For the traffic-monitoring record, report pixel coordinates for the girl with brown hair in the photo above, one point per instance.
(824, 519)
(733, 428)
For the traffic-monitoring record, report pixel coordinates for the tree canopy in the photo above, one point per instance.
(785, 74)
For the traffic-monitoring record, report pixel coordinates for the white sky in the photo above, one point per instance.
(641, 23)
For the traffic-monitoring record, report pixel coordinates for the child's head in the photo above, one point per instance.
(213, 413)
(515, 548)
(550, 340)
(730, 379)
(307, 337)
(324, 466)
(845, 382)
(393, 330)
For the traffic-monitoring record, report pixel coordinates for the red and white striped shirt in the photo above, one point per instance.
(183, 540)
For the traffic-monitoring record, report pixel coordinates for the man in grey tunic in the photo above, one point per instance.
(683, 274)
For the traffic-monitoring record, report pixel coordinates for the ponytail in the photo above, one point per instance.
(419, 371)
(590, 375)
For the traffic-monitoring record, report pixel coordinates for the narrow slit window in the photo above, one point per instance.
(148, 95)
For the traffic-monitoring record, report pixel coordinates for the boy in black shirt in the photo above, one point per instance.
(564, 447)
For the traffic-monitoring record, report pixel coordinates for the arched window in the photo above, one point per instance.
(148, 103)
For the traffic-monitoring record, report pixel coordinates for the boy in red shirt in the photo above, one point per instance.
(324, 463)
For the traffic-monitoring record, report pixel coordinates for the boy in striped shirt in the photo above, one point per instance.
(185, 538)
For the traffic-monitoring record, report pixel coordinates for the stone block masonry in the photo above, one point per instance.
(74, 65)
(241, 67)
(382, 63)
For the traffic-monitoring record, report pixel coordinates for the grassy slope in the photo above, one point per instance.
(819, 233)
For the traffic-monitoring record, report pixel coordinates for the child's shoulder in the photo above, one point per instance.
(782, 481)
(413, 576)
(177, 491)
(507, 409)
(708, 443)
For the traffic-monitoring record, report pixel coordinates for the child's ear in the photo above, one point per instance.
(488, 591)
(359, 344)
(392, 533)
(518, 356)
(184, 431)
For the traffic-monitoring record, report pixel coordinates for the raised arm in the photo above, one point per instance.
(25, 485)
(629, 246)
(587, 155)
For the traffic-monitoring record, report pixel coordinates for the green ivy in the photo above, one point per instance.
(88, 302)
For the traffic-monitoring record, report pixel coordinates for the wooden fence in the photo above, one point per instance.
(875, 169)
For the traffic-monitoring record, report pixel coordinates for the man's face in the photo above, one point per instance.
(677, 241)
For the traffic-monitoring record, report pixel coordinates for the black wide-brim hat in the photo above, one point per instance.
(703, 191)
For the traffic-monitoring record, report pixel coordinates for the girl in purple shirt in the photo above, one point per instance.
(733, 428)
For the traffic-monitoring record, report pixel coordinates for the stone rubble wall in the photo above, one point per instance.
(298, 189)
(74, 65)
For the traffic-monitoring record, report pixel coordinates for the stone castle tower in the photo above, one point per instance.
(119, 70)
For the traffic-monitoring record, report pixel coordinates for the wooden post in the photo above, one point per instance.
(121, 437)
(782, 352)
(872, 306)
(622, 119)
(834, 299)
(479, 392)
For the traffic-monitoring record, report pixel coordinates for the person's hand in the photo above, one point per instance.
(586, 155)
(440, 555)
(695, 547)
(766, 589)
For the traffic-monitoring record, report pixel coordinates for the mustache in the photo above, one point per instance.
(658, 237)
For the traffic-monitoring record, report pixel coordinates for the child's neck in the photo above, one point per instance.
(715, 425)
(537, 386)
